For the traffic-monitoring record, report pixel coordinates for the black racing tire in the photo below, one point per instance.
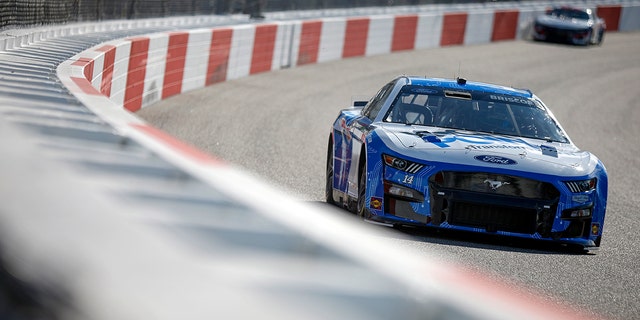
(329, 174)
(600, 38)
(361, 208)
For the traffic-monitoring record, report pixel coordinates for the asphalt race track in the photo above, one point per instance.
(276, 125)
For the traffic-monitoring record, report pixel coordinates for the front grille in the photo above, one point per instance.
(493, 218)
(494, 202)
(495, 184)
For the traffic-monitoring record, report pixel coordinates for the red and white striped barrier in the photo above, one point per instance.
(136, 72)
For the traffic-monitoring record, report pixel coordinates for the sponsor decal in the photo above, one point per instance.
(477, 141)
(343, 123)
(495, 146)
(580, 198)
(495, 159)
(424, 90)
(376, 203)
(511, 99)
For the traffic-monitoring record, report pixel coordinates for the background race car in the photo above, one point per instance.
(579, 26)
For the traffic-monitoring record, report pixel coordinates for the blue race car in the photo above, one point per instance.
(468, 156)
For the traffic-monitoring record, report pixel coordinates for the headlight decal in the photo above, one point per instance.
(402, 164)
(581, 185)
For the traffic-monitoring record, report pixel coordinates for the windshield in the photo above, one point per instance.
(566, 13)
(474, 111)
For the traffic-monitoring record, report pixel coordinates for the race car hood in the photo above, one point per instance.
(488, 150)
(563, 23)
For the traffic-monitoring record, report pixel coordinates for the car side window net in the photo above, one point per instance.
(412, 108)
(372, 108)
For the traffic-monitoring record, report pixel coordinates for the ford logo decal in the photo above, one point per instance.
(495, 159)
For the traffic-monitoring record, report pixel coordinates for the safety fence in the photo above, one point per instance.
(15, 13)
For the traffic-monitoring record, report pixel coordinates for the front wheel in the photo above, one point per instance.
(329, 174)
(600, 38)
(362, 209)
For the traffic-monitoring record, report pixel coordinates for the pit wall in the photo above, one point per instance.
(139, 71)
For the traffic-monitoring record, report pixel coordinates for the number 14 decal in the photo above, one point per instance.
(407, 179)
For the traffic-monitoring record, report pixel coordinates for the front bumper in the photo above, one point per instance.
(576, 37)
(520, 207)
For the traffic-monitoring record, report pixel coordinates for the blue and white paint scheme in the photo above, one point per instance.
(449, 153)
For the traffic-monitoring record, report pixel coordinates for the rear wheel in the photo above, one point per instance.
(329, 174)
